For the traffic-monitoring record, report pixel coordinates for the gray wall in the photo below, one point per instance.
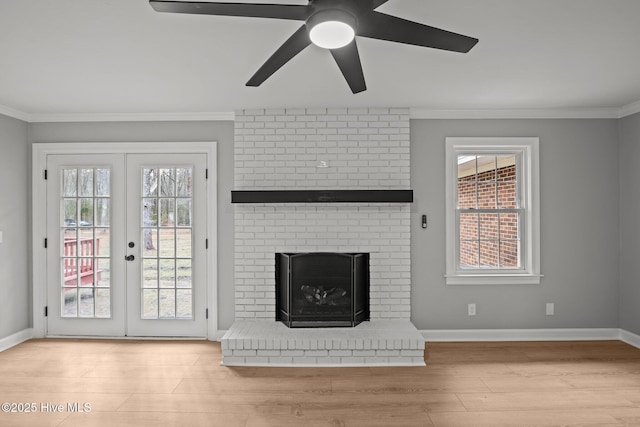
(579, 229)
(579, 216)
(219, 131)
(14, 258)
(630, 229)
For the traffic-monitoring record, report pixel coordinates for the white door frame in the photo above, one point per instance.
(40, 151)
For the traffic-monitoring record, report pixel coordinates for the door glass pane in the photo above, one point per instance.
(85, 243)
(69, 302)
(183, 207)
(149, 303)
(150, 273)
(184, 182)
(183, 243)
(85, 186)
(103, 303)
(149, 240)
(166, 223)
(183, 299)
(167, 212)
(150, 182)
(167, 304)
(167, 243)
(167, 182)
(102, 212)
(103, 177)
(167, 273)
(70, 183)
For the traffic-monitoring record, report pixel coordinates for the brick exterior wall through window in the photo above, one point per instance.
(488, 239)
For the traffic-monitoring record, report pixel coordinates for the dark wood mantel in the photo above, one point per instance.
(322, 196)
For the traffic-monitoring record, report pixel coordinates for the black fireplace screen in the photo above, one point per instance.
(322, 289)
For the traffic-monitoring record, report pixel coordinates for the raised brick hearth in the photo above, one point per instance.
(376, 343)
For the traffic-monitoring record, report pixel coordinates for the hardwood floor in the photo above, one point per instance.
(181, 383)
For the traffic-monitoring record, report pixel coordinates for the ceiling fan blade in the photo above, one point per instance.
(348, 60)
(381, 26)
(254, 10)
(293, 46)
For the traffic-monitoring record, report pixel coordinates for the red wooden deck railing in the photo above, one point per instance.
(82, 262)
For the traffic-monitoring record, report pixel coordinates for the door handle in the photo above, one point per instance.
(129, 258)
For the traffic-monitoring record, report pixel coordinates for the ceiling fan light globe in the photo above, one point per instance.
(332, 28)
(332, 34)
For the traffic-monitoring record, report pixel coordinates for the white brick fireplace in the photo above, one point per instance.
(322, 149)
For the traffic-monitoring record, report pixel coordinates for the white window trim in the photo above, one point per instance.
(528, 147)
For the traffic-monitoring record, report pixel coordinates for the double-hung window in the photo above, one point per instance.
(492, 223)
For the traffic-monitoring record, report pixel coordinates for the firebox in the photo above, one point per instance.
(322, 289)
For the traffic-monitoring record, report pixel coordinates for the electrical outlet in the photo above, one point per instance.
(471, 309)
(551, 309)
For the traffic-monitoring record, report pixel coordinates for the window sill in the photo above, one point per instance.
(493, 279)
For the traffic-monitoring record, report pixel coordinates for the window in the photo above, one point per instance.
(493, 210)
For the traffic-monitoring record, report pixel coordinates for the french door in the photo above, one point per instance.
(126, 245)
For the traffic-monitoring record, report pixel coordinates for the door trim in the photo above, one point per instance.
(40, 151)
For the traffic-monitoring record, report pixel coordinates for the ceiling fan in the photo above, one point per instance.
(330, 24)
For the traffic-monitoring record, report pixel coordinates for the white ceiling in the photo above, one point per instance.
(121, 57)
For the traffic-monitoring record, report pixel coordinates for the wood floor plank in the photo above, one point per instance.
(166, 347)
(87, 385)
(356, 419)
(613, 381)
(514, 382)
(627, 416)
(632, 395)
(468, 369)
(586, 367)
(155, 419)
(404, 384)
(253, 385)
(536, 400)
(212, 403)
(584, 351)
(17, 368)
(521, 419)
(157, 371)
(427, 402)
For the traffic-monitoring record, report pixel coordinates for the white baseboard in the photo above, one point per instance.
(450, 335)
(630, 338)
(15, 339)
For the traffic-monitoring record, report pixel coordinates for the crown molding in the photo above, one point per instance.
(16, 114)
(415, 113)
(116, 117)
(516, 113)
(132, 117)
(630, 109)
